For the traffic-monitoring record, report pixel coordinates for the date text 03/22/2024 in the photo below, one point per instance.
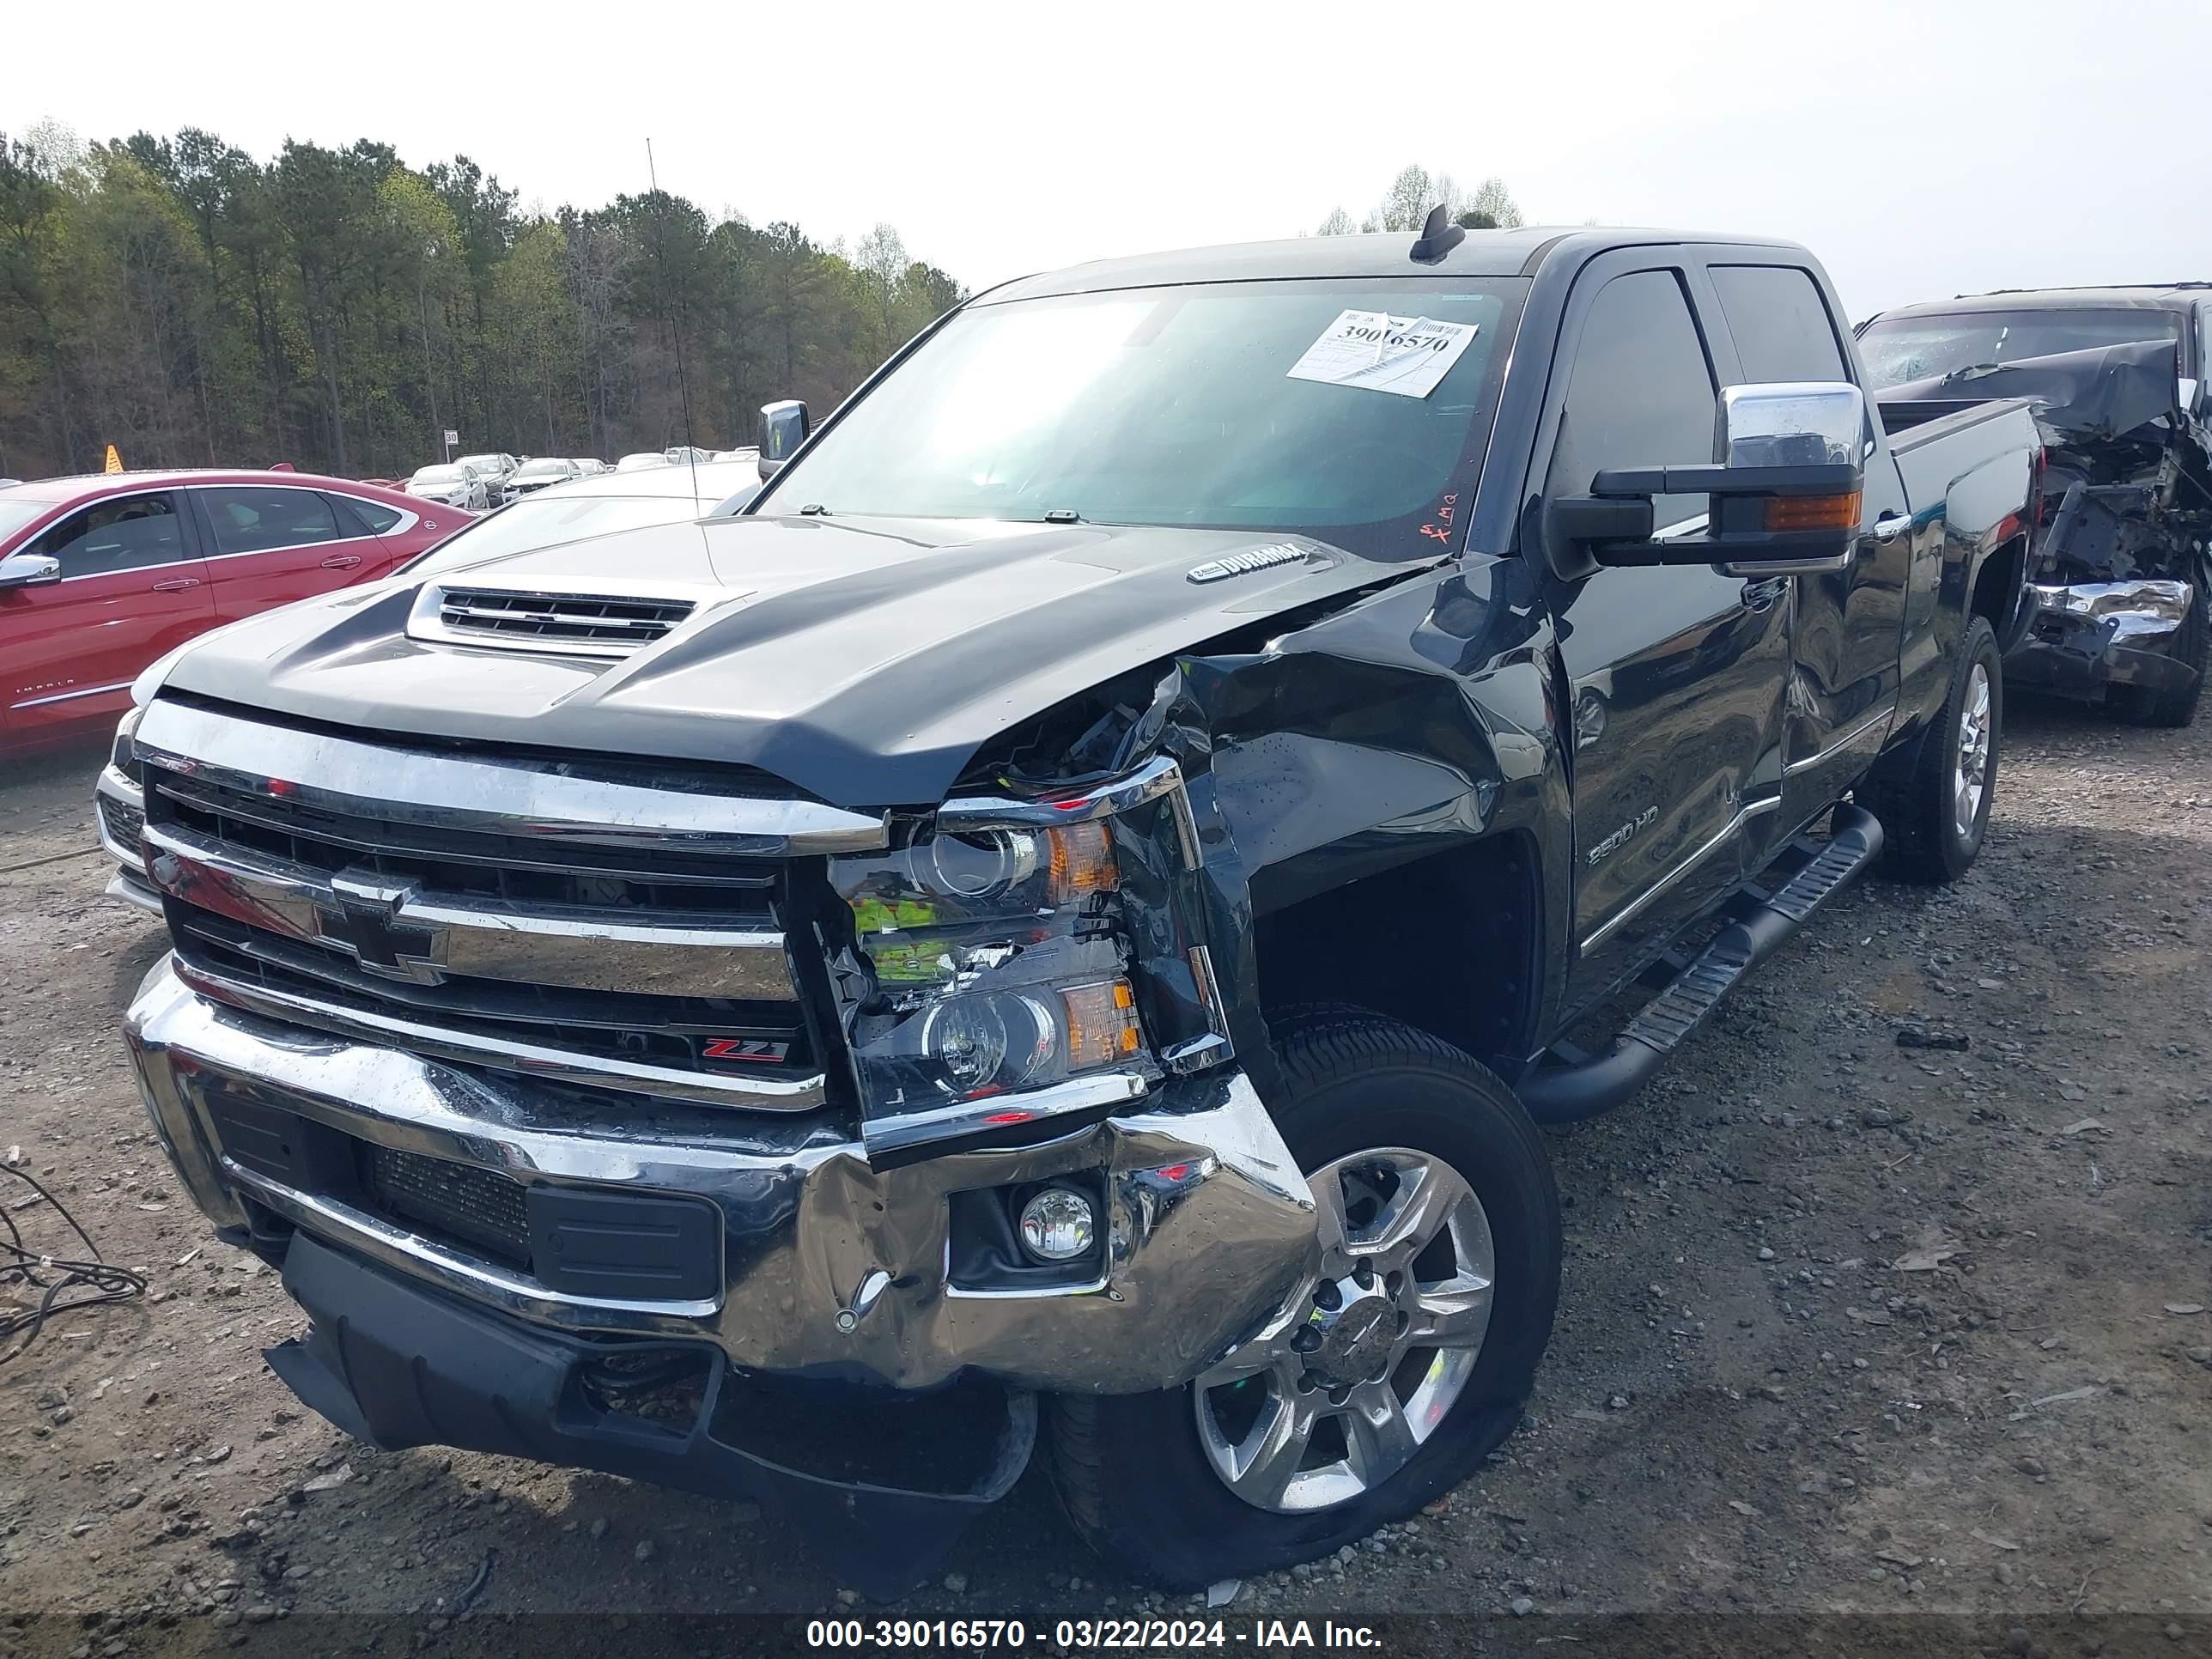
(1072, 1634)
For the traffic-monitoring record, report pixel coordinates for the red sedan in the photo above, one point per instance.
(99, 576)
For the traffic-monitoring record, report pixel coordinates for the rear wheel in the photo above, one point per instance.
(1385, 1378)
(1934, 821)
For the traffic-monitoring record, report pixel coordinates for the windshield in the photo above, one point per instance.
(543, 470)
(1923, 348)
(1179, 406)
(435, 475)
(480, 463)
(539, 521)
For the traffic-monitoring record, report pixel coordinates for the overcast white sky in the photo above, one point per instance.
(1922, 148)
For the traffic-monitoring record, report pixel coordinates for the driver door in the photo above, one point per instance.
(1676, 673)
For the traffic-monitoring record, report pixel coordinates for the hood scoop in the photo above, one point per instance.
(561, 624)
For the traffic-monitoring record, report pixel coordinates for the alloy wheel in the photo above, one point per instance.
(1971, 779)
(1358, 1368)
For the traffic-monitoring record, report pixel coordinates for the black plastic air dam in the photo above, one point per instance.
(398, 1366)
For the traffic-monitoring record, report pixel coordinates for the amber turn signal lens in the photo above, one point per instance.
(1101, 1024)
(1812, 511)
(1082, 861)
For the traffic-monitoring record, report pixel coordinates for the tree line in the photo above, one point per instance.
(1416, 190)
(337, 308)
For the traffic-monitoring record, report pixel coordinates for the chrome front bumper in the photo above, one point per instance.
(2088, 635)
(831, 1267)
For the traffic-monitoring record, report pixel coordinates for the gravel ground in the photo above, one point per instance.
(1847, 1327)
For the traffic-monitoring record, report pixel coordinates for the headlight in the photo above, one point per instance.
(995, 960)
(120, 754)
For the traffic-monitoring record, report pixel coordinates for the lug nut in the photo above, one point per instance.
(1305, 1340)
(1329, 1296)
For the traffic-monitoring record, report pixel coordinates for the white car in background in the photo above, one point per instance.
(454, 484)
(595, 507)
(541, 474)
(495, 470)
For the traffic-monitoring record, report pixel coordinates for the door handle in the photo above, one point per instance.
(176, 584)
(1890, 526)
(1762, 595)
(341, 561)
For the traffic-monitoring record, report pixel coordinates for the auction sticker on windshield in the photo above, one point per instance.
(1407, 355)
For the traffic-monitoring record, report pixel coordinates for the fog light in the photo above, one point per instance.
(1057, 1225)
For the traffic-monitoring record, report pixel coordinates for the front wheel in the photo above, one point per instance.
(1381, 1382)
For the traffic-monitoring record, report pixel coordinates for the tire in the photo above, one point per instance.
(1924, 839)
(2174, 706)
(1134, 1472)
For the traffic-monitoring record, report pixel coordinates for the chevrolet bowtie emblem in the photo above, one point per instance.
(364, 920)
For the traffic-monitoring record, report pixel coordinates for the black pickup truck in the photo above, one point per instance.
(2120, 564)
(1058, 925)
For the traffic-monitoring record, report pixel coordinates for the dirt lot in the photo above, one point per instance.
(1847, 1326)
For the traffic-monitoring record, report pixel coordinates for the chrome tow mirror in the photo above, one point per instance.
(1784, 486)
(1790, 423)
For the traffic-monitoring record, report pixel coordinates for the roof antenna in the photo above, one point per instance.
(683, 386)
(1439, 236)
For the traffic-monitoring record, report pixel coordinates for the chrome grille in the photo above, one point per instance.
(612, 953)
(554, 620)
(121, 821)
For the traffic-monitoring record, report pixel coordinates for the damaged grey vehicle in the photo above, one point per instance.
(2121, 565)
(1055, 929)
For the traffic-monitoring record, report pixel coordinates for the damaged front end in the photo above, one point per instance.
(2118, 566)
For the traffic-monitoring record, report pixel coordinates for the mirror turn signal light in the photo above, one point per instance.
(1787, 512)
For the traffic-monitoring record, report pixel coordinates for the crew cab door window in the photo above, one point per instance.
(130, 533)
(1641, 390)
(1780, 322)
(247, 519)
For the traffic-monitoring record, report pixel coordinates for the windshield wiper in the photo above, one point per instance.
(814, 510)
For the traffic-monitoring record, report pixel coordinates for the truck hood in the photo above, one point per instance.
(864, 661)
(2101, 393)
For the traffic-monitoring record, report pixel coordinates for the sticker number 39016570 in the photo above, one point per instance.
(1373, 350)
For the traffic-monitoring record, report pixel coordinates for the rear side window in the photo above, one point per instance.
(129, 534)
(1780, 322)
(375, 514)
(1641, 390)
(253, 519)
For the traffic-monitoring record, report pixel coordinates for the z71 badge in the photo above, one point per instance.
(752, 1049)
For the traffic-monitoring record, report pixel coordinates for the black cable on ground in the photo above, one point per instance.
(63, 1285)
